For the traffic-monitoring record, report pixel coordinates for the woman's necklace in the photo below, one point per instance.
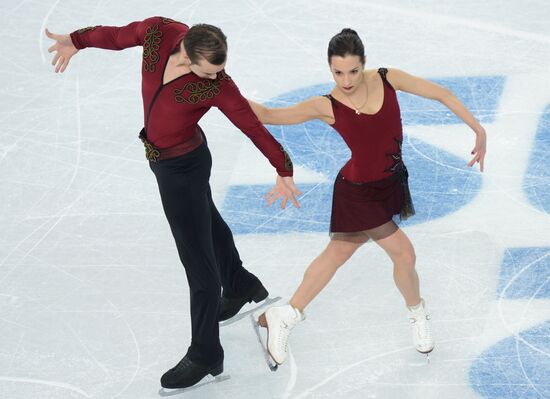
(357, 109)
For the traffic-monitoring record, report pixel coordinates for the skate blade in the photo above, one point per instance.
(240, 316)
(273, 366)
(262, 322)
(204, 381)
(427, 353)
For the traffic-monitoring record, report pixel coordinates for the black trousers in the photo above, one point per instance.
(205, 246)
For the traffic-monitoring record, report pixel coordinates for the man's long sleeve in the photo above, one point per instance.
(233, 105)
(114, 37)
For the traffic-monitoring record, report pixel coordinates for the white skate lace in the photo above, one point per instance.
(283, 336)
(421, 326)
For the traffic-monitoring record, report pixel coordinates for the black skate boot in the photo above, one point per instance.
(229, 307)
(187, 373)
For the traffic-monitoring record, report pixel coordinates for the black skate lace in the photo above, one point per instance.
(183, 363)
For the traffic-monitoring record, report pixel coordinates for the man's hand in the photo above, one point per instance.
(64, 50)
(284, 188)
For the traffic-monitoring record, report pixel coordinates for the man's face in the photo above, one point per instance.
(204, 69)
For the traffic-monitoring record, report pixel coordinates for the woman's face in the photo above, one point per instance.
(347, 72)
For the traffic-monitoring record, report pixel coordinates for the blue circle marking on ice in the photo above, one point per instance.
(519, 366)
(525, 274)
(516, 367)
(440, 182)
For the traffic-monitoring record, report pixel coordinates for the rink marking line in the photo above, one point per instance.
(117, 312)
(82, 344)
(42, 29)
(530, 383)
(293, 375)
(444, 165)
(119, 315)
(16, 248)
(72, 178)
(78, 132)
(60, 215)
(518, 352)
(45, 382)
(138, 352)
(310, 390)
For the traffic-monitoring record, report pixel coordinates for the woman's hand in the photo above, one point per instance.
(284, 188)
(479, 150)
(64, 50)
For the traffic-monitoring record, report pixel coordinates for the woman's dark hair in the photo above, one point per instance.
(205, 41)
(347, 42)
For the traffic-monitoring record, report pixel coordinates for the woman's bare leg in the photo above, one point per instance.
(401, 251)
(322, 269)
(399, 248)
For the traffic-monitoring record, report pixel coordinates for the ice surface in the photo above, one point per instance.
(93, 299)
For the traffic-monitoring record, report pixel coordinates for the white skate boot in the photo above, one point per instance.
(420, 326)
(279, 321)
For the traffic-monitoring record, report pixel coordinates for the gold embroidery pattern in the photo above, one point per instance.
(151, 153)
(167, 21)
(288, 161)
(202, 90)
(223, 76)
(84, 30)
(198, 91)
(151, 45)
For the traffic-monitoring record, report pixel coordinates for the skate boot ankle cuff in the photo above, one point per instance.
(301, 315)
(417, 308)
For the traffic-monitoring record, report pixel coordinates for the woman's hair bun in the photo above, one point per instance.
(347, 42)
(348, 31)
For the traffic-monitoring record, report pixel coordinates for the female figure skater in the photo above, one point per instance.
(372, 186)
(182, 78)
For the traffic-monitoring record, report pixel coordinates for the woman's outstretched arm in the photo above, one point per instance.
(312, 108)
(421, 87)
